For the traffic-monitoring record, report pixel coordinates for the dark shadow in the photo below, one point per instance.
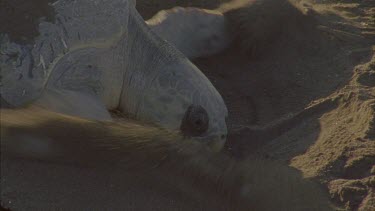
(20, 18)
(4, 209)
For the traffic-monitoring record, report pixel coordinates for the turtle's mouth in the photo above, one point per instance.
(214, 142)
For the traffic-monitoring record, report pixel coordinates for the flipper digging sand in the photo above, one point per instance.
(143, 164)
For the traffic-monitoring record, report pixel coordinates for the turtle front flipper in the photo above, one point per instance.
(77, 25)
(73, 103)
(195, 32)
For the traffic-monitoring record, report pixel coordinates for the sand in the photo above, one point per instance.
(305, 96)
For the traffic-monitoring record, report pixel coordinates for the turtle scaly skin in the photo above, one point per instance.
(104, 50)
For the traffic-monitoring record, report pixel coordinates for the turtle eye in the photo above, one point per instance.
(195, 121)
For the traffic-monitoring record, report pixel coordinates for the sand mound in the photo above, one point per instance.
(149, 8)
(299, 82)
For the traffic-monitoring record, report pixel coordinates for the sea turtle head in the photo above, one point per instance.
(182, 98)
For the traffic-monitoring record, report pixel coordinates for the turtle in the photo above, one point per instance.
(100, 55)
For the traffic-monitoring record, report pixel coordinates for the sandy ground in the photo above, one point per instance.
(306, 96)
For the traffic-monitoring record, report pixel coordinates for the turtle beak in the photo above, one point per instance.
(214, 142)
